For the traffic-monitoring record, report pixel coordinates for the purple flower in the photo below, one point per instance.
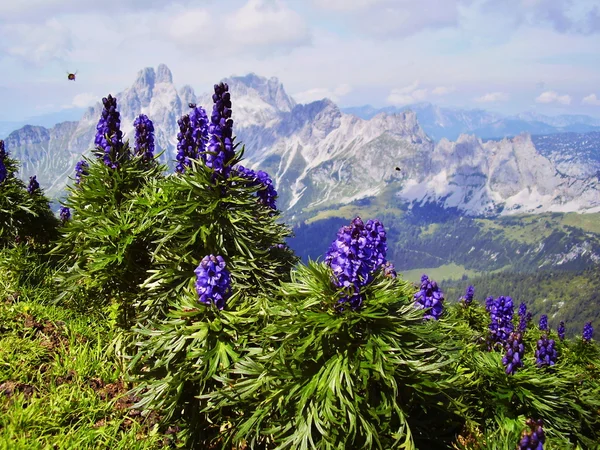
(522, 309)
(561, 330)
(534, 438)
(546, 354)
(34, 186)
(3, 172)
(515, 350)
(267, 194)
(430, 298)
(588, 332)
(65, 214)
(389, 270)
(544, 322)
(354, 256)
(144, 137)
(501, 312)
(213, 282)
(220, 145)
(81, 169)
(469, 295)
(2, 151)
(108, 133)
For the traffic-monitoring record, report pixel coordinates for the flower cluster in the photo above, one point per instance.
(561, 330)
(353, 257)
(144, 137)
(81, 169)
(469, 294)
(109, 137)
(524, 317)
(267, 195)
(544, 322)
(501, 312)
(430, 297)
(389, 270)
(3, 172)
(65, 214)
(588, 332)
(220, 146)
(546, 354)
(213, 281)
(515, 350)
(34, 186)
(534, 438)
(185, 144)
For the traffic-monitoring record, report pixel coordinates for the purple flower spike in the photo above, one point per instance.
(534, 438)
(144, 137)
(588, 332)
(213, 281)
(430, 298)
(81, 169)
(544, 322)
(109, 137)
(561, 330)
(65, 214)
(514, 352)
(34, 186)
(501, 312)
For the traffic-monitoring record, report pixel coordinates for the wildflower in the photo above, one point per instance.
(469, 294)
(2, 150)
(522, 309)
(213, 282)
(268, 193)
(524, 317)
(108, 133)
(546, 354)
(430, 297)
(515, 350)
(3, 172)
(561, 330)
(534, 438)
(588, 332)
(544, 322)
(81, 169)
(389, 270)
(34, 186)
(65, 214)
(185, 144)
(501, 315)
(220, 146)
(144, 137)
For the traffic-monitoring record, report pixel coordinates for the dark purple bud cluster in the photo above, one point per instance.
(561, 330)
(501, 312)
(185, 144)
(353, 257)
(81, 169)
(469, 295)
(546, 354)
(544, 322)
(34, 186)
(588, 332)
(267, 195)
(524, 317)
(430, 298)
(65, 214)
(220, 145)
(109, 137)
(144, 137)
(213, 281)
(534, 438)
(515, 350)
(3, 171)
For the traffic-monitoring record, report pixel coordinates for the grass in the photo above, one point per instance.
(60, 389)
(450, 271)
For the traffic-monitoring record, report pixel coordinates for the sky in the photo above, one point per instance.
(507, 56)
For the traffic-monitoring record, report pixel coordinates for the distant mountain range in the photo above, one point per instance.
(320, 156)
(45, 120)
(450, 123)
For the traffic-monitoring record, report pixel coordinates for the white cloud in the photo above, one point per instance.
(184, 26)
(443, 90)
(591, 100)
(84, 99)
(347, 5)
(407, 95)
(553, 97)
(315, 94)
(492, 97)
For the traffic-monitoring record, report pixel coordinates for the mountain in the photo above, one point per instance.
(450, 123)
(320, 156)
(44, 120)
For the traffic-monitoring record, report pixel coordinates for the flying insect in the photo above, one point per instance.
(398, 169)
(71, 75)
(192, 105)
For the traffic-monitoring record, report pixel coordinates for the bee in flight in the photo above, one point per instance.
(71, 75)
(398, 169)
(192, 105)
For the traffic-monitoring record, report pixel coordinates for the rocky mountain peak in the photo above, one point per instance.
(163, 74)
(268, 90)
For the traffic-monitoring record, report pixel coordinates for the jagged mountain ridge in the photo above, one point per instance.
(319, 155)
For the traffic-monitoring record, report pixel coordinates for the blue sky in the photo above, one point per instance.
(508, 56)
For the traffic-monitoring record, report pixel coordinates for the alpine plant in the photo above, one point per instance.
(81, 169)
(514, 352)
(109, 137)
(544, 322)
(588, 332)
(3, 171)
(267, 195)
(524, 317)
(357, 252)
(430, 298)
(546, 354)
(220, 145)
(534, 438)
(469, 295)
(561, 330)
(34, 186)
(213, 281)
(501, 312)
(144, 137)
(65, 214)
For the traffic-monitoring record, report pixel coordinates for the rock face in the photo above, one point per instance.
(319, 155)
